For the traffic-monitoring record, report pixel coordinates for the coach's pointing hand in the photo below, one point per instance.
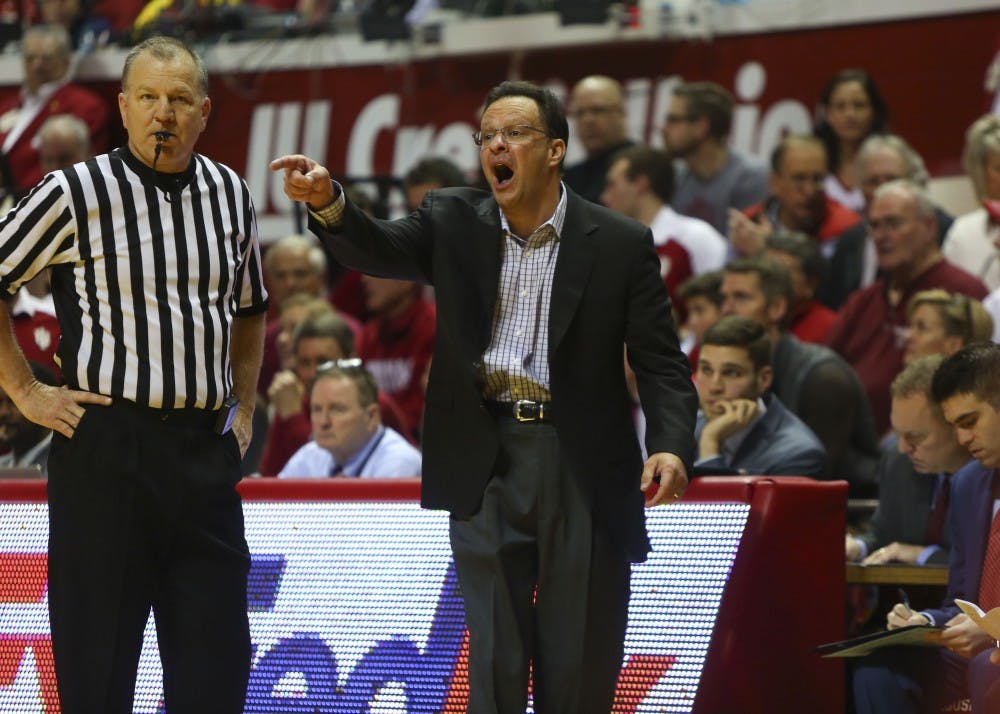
(305, 180)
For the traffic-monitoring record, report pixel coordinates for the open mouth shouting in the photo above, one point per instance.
(502, 176)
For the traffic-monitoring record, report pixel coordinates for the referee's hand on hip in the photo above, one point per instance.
(58, 408)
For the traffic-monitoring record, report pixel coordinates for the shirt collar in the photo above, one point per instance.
(44, 91)
(556, 220)
(354, 465)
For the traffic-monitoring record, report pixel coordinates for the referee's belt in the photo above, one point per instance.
(523, 410)
(189, 417)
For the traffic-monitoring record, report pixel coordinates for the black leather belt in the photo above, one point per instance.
(523, 410)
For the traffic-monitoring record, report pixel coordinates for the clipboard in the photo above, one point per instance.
(912, 636)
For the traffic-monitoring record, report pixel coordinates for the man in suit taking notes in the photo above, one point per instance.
(528, 438)
(918, 679)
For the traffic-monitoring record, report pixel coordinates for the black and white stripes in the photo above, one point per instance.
(147, 277)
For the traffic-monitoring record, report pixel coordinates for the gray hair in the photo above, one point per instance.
(912, 190)
(55, 32)
(981, 140)
(68, 125)
(298, 243)
(167, 49)
(916, 171)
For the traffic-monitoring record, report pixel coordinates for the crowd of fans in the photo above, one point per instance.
(818, 293)
(833, 247)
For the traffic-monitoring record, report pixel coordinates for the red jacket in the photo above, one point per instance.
(837, 218)
(68, 99)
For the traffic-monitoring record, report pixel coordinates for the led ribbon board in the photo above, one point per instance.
(354, 609)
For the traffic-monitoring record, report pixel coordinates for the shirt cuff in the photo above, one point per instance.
(926, 554)
(332, 215)
(862, 550)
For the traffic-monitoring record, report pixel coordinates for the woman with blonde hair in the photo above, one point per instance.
(972, 241)
(942, 323)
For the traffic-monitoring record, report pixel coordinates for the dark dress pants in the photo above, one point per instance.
(144, 514)
(542, 586)
(900, 680)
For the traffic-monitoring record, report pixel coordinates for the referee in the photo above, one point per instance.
(157, 284)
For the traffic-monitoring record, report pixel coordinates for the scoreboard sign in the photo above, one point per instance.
(355, 608)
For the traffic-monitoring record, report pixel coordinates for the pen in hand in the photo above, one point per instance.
(905, 599)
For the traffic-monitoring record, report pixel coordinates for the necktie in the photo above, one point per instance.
(336, 470)
(939, 514)
(989, 582)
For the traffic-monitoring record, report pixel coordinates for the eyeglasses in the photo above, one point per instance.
(517, 134)
(348, 363)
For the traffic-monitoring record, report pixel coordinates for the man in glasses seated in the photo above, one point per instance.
(348, 437)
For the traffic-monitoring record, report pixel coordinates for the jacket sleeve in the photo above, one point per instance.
(663, 375)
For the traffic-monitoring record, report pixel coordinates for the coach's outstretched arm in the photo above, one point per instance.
(305, 180)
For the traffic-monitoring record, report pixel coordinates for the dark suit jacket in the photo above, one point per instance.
(779, 444)
(904, 507)
(970, 513)
(606, 292)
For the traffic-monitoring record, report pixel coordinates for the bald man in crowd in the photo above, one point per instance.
(597, 107)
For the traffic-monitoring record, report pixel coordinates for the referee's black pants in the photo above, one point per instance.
(541, 585)
(144, 514)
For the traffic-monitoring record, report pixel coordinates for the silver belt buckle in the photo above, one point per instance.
(522, 403)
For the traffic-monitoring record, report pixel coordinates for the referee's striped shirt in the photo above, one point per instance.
(145, 288)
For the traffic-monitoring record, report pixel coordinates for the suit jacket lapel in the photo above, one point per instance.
(485, 266)
(577, 250)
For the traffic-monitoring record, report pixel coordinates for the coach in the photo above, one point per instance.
(528, 436)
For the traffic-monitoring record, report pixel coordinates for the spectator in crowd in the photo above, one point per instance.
(597, 107)
(882, 158)
(87, 31)
(798, 201)
(26, 443)
(740, 426)
(909, 525)
(809, 320)
(293, 264)
(46, 91)
(869, 331)
(971, 244)
(428, 174)
(295, 310)
(63, 140)
(323, 337)
(812, 381)
(397, 341)
(713, 178)
(898, 680)
(851, 109)
(33, 318)
(640, 184)
(701, 299)
(348, 438)
(941, 323)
